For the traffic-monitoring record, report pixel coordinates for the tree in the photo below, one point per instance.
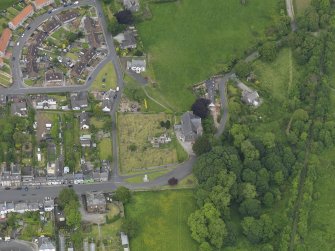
(200, 107)
(268, 140)
(247, 191)
(124, 17)
(268, 51)
(205, 246)
(258, 231)
(249, 151)
(130, 227)
(250, 207)
(243, 69)
(72, 214)
(201, 145)
(67, 195)
(122, 194)
(173, 181)
(268, 200)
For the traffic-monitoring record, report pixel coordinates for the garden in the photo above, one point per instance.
(136, 152)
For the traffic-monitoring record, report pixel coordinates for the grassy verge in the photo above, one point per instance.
(162, 217)
(106, 79)
(151, 177)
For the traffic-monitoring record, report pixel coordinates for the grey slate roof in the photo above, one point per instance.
(191, 125)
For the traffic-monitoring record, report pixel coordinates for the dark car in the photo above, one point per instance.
(19, 188)
(26, 189)
(28, 28)
(49, 12)
(70, 185)
(38, 187)
(7, 188)
(13, 58)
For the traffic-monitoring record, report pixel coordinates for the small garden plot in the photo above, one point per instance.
(136, 151)
(105, 149)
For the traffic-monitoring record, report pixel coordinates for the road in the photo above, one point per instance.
(17, 245)
(290, 13)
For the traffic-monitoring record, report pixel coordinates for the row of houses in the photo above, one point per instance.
(27, 12)
(47, 205)
(14, 175)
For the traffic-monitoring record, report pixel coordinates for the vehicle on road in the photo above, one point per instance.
(18, 43)
(28, 28)
(76, 2)
(19, 188)
(13, 58)
(7, 188)
(49, 12)
(70, 185)
(26, 189)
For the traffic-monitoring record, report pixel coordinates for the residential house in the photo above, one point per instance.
(48, 204)
(84, 121)
(84, 60)
(85, 140)
(53, 77)
(4, 41)
(92, 36)
(45, 244)
(21, 17)
(33, 206)
(136, 65)
(78, 178)
(251, 98)
(19, 109)
(10, 207)
(31, 66)
(40, 180)
(132, 5)
(108, 100)
(44, 102)
(27, 175)
(191, 127)
(129, 39)
(39, 4)
(21, 207)
(79, 101)
(15, 174)
(95, 202)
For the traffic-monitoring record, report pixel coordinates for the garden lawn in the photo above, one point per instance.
(188, 41)
(4, 4)
(162, 218)
(105, 148)
(136, 152)
(107, 73)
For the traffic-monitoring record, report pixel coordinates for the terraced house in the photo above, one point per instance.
(4, 41)
(39, 4)
(21, 17)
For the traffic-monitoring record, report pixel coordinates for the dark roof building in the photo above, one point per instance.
(95, 202)
(65, 17)
(129, 41)
(52, 76)
(51, 25)
(190, 126)
(79, 100)
(32, 68)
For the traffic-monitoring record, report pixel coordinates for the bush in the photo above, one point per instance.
(173, 181)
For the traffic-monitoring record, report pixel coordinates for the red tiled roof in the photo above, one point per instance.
(4, 39)
(22, 15)
(40, 2)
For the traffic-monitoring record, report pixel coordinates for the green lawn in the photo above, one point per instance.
(151, 177)
(189, 40)
(107, 73)
(72, 56)
(4, 4)
(105, 148)
(162, 218)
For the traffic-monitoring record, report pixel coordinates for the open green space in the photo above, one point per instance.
(71, 55)
(162, 218)
(151, 177)
(4, 4)
(188, 40)
(300, 6)
(321, 228)
(136, 151)
(105, 148)
(106, 79)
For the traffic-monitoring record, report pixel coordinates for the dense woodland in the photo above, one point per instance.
(245, 177)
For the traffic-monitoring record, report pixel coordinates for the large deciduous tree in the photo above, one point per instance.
(200, 107)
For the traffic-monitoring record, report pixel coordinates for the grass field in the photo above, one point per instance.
(162, 217)
(4, 4)
(189, 40)
(105, 148)
(151, 177)
(107, 73)
(300, 6)
(134, 130)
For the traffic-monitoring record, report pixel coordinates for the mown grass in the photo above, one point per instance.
(162, 218)
(134, 130)
(107, 74)
(189, 40)
(151, 177)
(4, 4)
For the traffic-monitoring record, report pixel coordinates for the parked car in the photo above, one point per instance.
(7, 188)
(26, 189)
(19, 188)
